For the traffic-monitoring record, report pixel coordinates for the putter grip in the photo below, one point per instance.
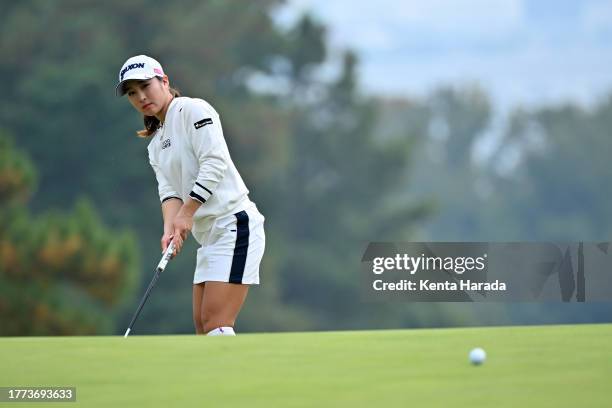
(166, 257)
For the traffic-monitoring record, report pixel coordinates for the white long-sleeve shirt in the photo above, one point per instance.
(191, 161)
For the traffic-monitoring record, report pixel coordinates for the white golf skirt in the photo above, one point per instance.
(232, 249)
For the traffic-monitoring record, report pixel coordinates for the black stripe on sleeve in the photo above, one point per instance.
(209, 192)
(168, 198)
(241, 248)
(197, 197)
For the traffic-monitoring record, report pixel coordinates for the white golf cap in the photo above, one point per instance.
(138, 67)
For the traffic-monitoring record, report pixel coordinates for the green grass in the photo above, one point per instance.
(534, 366)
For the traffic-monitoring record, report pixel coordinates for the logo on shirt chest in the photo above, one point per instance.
(166, 143)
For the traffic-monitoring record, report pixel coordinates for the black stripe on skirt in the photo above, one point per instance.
(241, 248)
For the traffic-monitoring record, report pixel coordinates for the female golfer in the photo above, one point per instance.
(200, 191)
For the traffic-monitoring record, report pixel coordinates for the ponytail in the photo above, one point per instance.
(151, 123)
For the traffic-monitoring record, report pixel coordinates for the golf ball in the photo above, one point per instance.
(477, 356)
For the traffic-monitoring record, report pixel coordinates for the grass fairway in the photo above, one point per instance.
(535, 366)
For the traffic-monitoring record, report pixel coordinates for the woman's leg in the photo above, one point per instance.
(198, 293)
(221, 304)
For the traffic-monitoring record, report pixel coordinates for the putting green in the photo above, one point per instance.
(527, 366)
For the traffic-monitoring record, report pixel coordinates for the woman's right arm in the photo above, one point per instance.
(170, 202)
(170, 208)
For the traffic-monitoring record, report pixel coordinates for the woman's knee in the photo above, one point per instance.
(221, 305)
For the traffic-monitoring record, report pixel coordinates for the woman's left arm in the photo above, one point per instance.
(206, 137)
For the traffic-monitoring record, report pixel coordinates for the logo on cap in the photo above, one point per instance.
(131, 66)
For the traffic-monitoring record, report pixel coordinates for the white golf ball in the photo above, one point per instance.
(477, 356)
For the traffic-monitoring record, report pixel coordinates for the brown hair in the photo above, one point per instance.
(151, 123)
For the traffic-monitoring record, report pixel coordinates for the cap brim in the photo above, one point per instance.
(119, 91)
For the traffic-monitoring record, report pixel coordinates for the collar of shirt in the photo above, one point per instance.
(173, 103)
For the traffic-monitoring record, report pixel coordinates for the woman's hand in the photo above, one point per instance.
(182, 225)
(176, 227)
(165, 241)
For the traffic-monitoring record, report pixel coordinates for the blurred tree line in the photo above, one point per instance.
(538, 175)
(541, 175)
(330, 168)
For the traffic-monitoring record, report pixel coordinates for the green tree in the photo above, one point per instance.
(59, 273)
(341, 191)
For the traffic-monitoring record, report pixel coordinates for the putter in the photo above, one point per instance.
(160, 268)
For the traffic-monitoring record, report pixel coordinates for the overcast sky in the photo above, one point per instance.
(522, 51)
